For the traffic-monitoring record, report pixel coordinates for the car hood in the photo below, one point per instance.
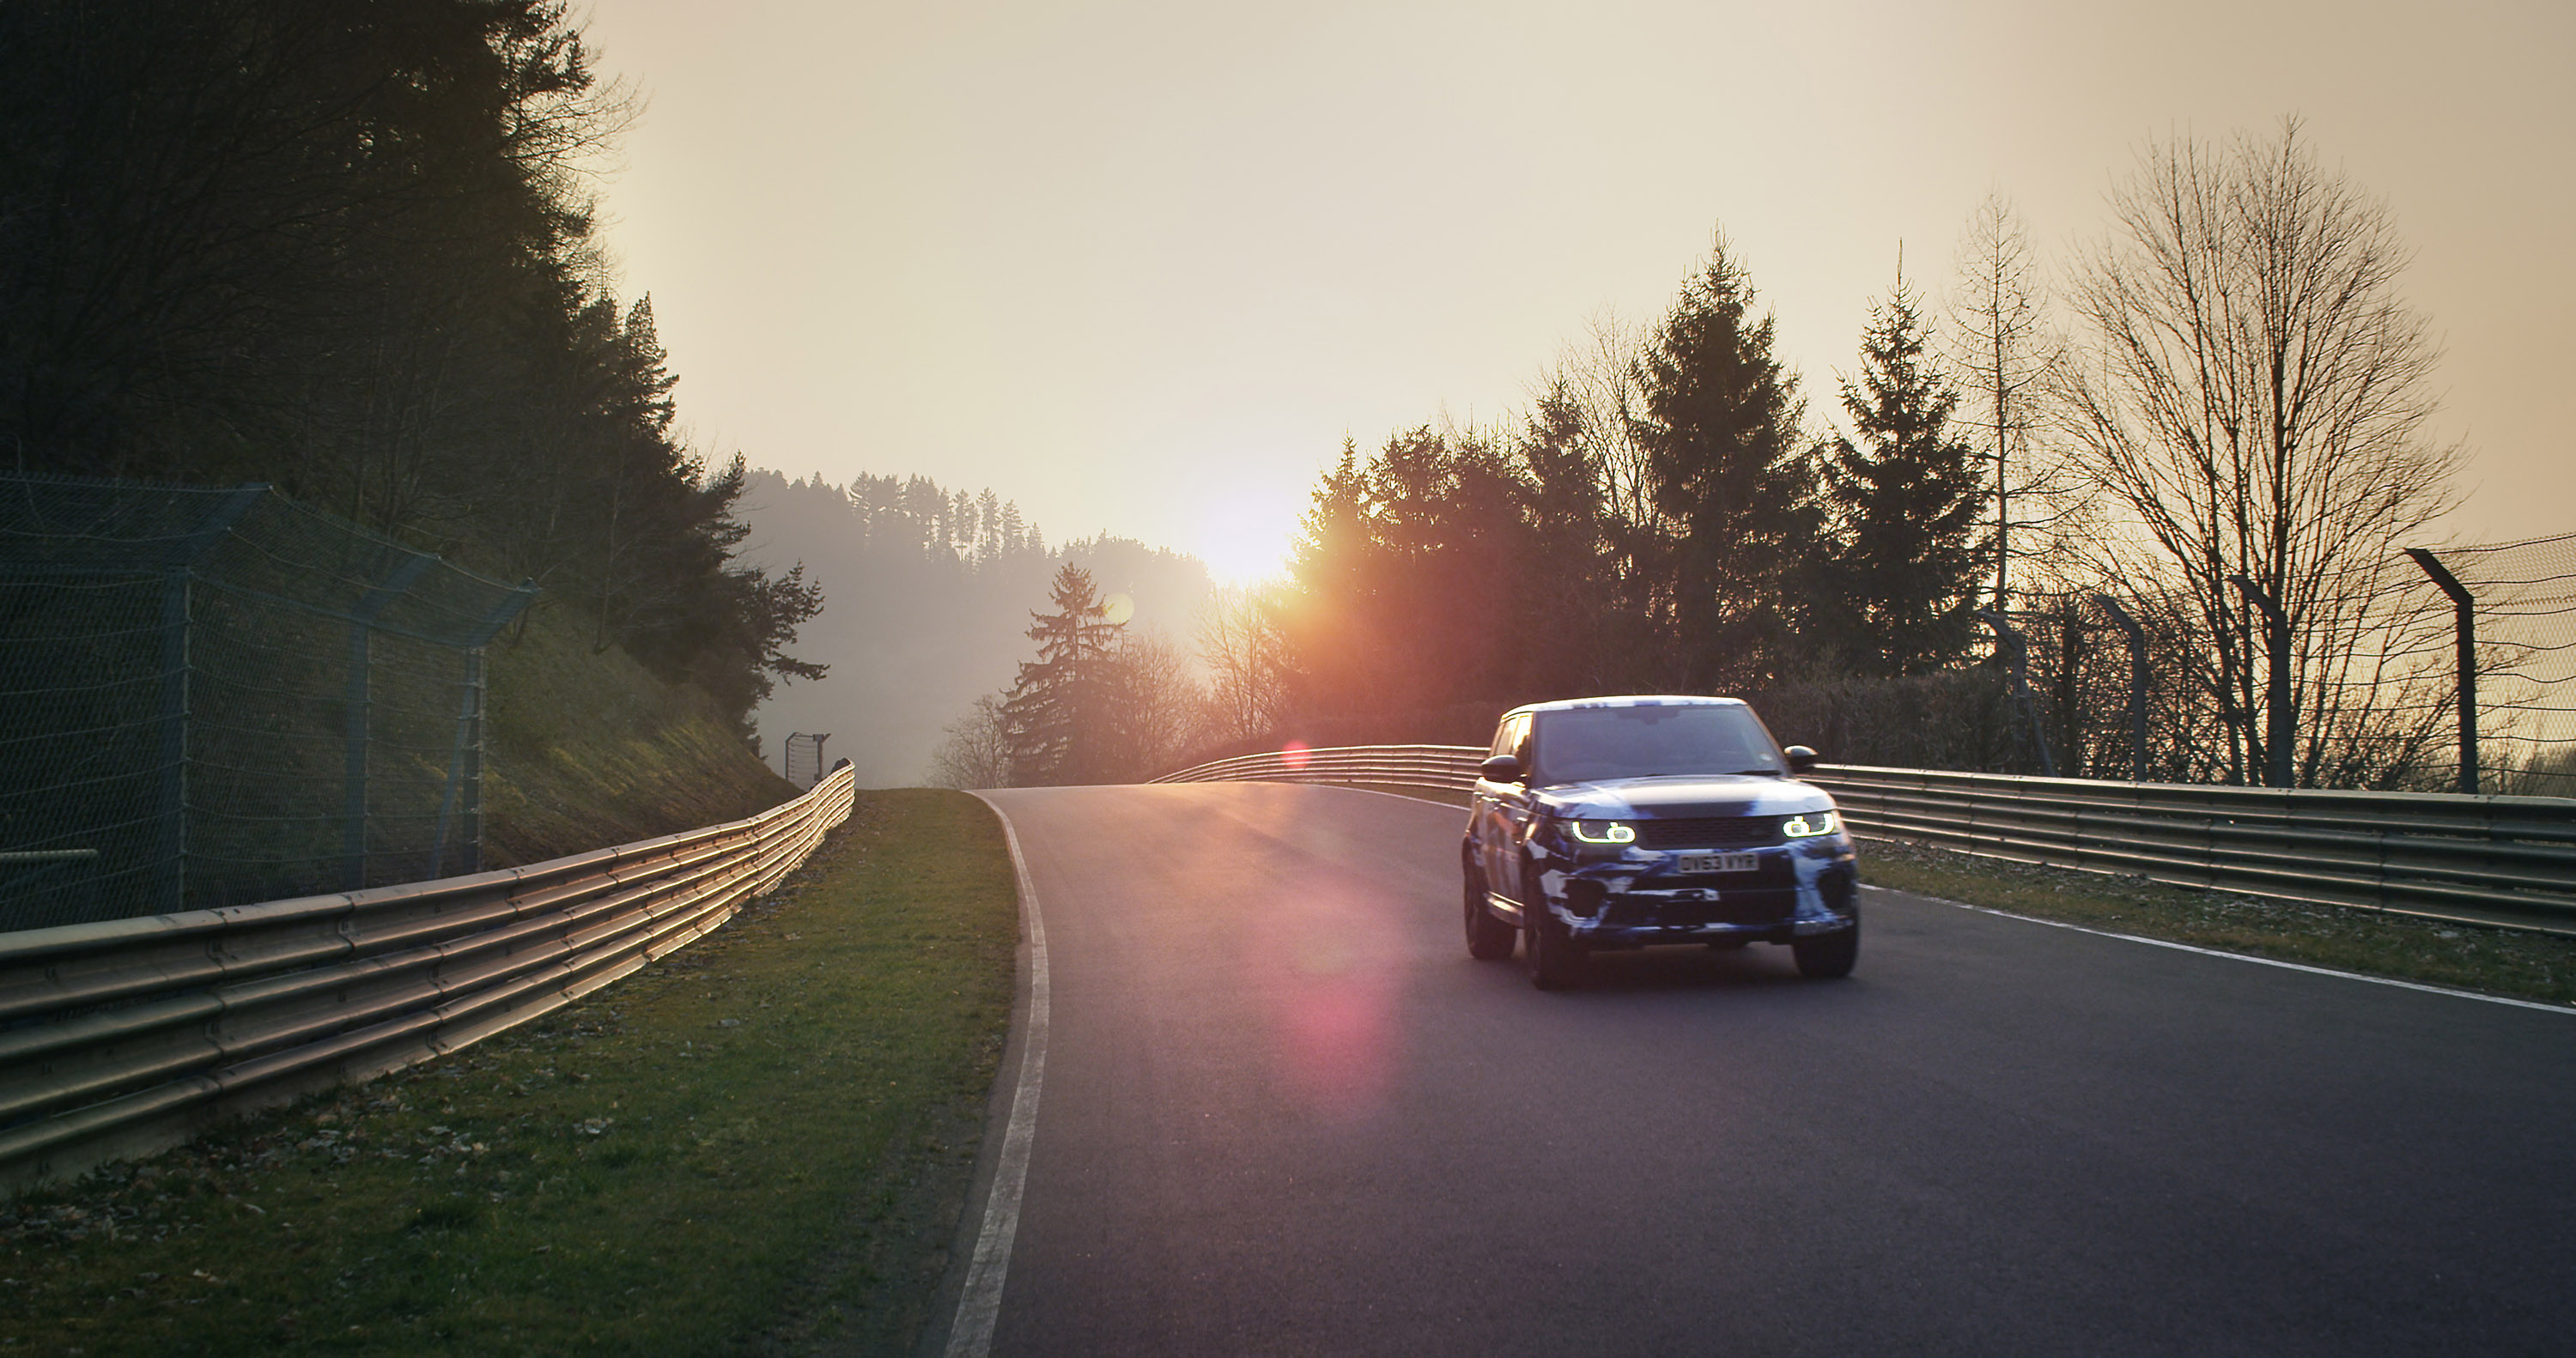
(1673, 798)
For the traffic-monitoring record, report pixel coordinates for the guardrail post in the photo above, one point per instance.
(2137, 683)
(2280, 716)
(2464, 608)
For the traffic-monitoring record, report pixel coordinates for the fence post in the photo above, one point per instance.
(464, 795)
(2016, 649)
(362, 624)
(2137, 684)
(177, 615)
(2280, 718)
(2464, 608)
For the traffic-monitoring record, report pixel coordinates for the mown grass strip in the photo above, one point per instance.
(2529, 966)
(758, 1145)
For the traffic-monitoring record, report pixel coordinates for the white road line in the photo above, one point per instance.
(2237, 956)
(970, 1335)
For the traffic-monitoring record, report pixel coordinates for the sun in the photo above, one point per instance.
(1244, 534)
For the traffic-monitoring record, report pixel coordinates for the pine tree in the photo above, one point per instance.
(1567, 557)
(1908, 551)
(1054, 720)
(1733, 479)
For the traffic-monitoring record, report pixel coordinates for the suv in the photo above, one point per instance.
(1619, 822)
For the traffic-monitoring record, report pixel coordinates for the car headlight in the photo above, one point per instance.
(1603, 832)
(1810, 825)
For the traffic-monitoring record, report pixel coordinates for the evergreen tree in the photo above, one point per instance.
(347, 250)
(1055, 721)
(1731, 476)
(1908, 551)
(1567, 557)
(1396, 581)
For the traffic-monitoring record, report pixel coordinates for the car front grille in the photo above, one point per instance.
(1709, 832)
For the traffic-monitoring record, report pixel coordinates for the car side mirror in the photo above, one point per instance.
(1801, 759)
(1502, 768)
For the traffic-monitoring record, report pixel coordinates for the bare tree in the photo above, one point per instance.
(1600, 373)
(977, 749)
(1246, 658)
(2003, 353)
(1157, 706)
(2252, 398)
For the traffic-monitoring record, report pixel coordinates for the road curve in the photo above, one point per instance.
(1284, 1113)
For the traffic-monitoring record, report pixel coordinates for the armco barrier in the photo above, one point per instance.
(121, 1037)
(2503, 861)
(2508, 861)
(1423, 766)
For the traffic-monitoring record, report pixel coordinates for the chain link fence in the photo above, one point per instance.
(2131, 685)
(216, 696)
(2524, 606)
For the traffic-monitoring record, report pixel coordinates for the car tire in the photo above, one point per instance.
(1554, 959)
(1824, 957)
(1488, 939)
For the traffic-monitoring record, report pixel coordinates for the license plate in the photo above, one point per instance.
(1717, 862)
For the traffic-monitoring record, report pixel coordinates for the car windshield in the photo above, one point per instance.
(1589, 744)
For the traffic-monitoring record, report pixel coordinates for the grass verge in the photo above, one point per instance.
(2528, 966)
(758, 1145)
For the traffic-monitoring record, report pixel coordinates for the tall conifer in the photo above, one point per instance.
(1731, 475)
(1907, 550)
(1054, 721)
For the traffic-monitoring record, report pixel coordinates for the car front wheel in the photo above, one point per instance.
(1488, 939)
(1555, 960)
(1826, 956)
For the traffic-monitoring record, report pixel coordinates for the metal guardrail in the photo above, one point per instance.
(2509, 862)
(122, 1037)
(1444, 767)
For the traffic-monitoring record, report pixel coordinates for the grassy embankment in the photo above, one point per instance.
(758, 1145)
(2493, 961)
(586, 749)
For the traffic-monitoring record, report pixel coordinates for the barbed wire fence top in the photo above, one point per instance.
(2526, 632)
(2374, 677)
(216, 696)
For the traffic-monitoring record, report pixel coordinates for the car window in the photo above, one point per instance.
(1588, 744)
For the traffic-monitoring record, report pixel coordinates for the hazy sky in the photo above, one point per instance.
(1141, 266)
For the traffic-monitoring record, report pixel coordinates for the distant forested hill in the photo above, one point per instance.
(928, 594)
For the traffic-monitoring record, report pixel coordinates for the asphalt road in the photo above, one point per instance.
(1284, 1113)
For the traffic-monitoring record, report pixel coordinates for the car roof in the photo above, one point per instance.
(1631, 700)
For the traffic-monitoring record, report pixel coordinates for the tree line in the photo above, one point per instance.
(2221, 403)
(350, 251)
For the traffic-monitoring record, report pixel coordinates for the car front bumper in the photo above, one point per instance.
(1636, 900)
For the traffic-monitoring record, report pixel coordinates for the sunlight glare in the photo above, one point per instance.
(1243, 534)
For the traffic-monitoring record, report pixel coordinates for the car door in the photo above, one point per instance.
(1508, 816)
